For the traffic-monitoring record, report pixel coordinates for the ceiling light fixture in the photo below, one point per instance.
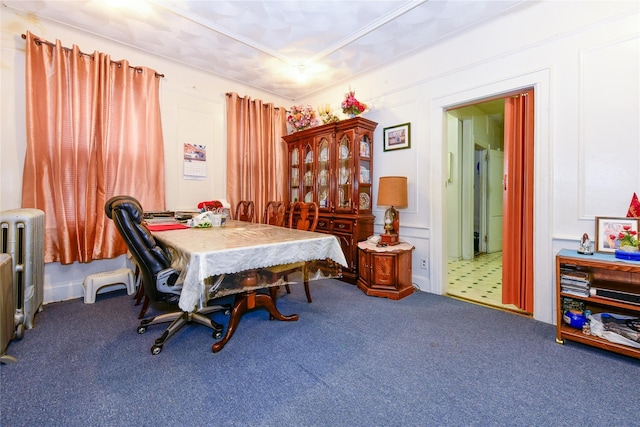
(301, 75)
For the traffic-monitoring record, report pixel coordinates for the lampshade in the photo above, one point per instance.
(392, 191)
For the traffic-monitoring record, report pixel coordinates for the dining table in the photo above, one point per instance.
(220, 261)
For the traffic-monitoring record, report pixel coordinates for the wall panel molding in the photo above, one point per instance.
(608, 127)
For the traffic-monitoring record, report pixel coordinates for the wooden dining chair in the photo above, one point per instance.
(302, 216)
(244, 211)
(274, 213)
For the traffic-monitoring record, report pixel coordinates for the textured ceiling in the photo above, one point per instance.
(289, 48)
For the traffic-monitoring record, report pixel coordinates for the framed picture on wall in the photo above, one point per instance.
(608, 230)
(397, 137)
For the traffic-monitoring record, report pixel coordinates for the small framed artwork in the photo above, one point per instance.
(397, 137)
(608, 229)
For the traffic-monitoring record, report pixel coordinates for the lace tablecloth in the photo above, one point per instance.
(402, 246)
(201, 253)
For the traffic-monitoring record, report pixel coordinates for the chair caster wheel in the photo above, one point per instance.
(217, 335)
(142, 329)
(156, 349)
(19, 331)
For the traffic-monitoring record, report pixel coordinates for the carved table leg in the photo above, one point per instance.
(243, 303)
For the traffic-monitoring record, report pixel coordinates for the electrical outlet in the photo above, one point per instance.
(423, 263)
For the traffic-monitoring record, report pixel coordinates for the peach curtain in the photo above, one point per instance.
(517, 249)
(256, 153)
(93, 131)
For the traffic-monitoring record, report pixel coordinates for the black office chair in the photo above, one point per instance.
(158, 277)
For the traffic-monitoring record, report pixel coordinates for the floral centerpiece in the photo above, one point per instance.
(628, 239)
(351, 105)
(301, 117)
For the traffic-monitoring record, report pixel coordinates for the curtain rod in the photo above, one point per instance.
(48, 43)
(229, 94)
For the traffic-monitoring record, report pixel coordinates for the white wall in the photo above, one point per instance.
(581, 58)
(193, 110)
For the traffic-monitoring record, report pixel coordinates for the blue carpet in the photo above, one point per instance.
(351, 360)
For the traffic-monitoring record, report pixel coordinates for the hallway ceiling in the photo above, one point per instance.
(287, 48)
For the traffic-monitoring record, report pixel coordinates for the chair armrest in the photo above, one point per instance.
(166, 281)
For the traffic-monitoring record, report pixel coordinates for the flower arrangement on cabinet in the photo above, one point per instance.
(351, 106)
(326, 114)
(301, 117)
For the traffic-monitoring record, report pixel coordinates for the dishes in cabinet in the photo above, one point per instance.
(342, 201)
(365, 201)
(344, 175)
(324, 155)
(364, 149)
(322, 177)
(323, 199)
(344, 152)
(308, 198)
(309, 158)
(308, 178)
(364, 175)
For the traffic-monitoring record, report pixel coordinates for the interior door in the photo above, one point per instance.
(495, 170)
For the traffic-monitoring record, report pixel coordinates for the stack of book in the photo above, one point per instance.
(575, 282)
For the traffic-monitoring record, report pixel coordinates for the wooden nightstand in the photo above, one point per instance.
(385, 271)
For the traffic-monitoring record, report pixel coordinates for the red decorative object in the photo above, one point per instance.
(634, 207)
(209, 206)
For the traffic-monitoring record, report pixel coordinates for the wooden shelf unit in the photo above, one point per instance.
(605, 268)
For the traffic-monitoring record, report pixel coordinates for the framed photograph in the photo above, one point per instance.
(607, 230)
(397, 137)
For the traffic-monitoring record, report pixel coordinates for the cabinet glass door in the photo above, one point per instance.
(308, 178)
(295, 174)
(323, 181)
(345, 174)
(364, 174)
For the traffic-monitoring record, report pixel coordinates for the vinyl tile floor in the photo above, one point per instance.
(478, 280)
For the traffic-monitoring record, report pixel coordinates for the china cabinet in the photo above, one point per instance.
(332, 166)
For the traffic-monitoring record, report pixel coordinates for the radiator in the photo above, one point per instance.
(22, 237)
(7, 307)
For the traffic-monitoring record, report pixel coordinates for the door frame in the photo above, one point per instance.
(544, 307)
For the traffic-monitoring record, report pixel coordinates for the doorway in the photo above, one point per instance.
(475, 211)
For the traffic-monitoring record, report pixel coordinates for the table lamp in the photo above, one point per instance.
(392, 192)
